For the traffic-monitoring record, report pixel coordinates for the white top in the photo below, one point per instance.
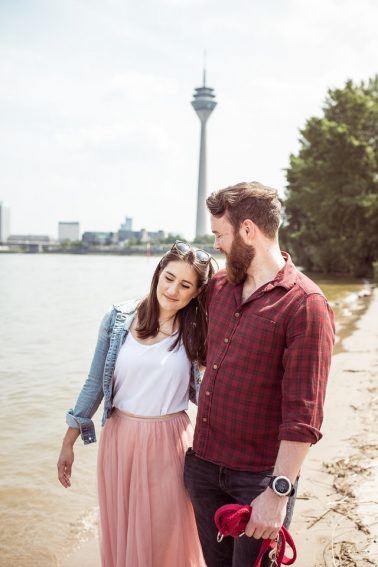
(150, 380)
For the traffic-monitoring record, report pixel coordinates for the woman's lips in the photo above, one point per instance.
(169, 298)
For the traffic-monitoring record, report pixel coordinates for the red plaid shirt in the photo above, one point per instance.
(267, 368)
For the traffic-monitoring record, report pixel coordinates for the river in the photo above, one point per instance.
(50, 309)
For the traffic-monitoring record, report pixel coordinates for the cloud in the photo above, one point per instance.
(95, 98)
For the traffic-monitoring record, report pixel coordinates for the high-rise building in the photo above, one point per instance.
(203, 103)
(4, 222)
(126, 230)
(68, 231)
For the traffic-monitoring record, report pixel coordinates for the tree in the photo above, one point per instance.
(171, 238)
(204, 239)
(331, 205)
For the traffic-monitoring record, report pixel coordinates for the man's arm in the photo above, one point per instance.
(269, 509)
(306, 361)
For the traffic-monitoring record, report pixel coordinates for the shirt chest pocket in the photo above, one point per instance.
(258, 336)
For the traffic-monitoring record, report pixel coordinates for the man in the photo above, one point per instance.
(270, 342)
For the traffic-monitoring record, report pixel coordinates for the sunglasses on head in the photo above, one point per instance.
(202, 256)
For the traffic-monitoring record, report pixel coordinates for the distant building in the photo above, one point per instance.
(158, 235)
(127, 235)
(99, 238)
(4, 222)
(26, 238)
(203, 103)
(30, 242)
(68, 231)
(144, 236)
(126, 232)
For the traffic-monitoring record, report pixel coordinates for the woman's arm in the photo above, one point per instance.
(92, 391)
(79, 418)
(66, 457)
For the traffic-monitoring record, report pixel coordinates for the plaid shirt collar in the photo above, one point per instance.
(286, 278)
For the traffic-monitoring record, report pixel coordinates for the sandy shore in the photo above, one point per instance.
(336, 517)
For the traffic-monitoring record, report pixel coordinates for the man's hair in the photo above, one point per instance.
(252, 201)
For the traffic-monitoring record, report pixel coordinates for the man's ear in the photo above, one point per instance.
(248, 228)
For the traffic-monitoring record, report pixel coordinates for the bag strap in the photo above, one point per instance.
(277, 549)
(232, 519)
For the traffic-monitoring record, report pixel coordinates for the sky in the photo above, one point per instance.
(95, 115)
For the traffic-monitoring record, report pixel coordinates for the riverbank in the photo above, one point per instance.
(335, 522)
(336, 518)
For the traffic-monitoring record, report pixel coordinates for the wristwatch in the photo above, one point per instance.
(282, 486)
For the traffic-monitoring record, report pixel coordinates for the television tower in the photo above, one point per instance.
(203, 103)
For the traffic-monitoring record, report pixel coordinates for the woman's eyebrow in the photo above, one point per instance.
(173, 276)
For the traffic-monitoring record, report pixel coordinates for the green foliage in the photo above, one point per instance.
(204, 239)
(171, 238)
(331, 206)
(71, 244)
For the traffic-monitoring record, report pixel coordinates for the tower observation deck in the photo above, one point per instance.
(203, 103)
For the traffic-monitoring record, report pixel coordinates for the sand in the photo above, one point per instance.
(336, 516)
(338, 524)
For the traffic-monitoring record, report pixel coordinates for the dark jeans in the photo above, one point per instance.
(211, 486)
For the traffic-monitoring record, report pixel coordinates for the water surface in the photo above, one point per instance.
(50, 309)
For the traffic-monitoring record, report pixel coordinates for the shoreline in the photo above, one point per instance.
(335, 519)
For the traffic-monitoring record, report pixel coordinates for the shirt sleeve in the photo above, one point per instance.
(307, 359)
(91, 393)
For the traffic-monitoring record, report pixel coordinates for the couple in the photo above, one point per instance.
(265, 333)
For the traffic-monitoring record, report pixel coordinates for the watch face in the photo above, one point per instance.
(282, 485)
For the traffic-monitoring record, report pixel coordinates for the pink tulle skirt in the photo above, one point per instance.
(146, 518)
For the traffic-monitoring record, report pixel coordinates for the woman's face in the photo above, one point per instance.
(177, 285)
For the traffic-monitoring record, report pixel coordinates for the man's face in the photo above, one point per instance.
(238, 254)
(223, 233)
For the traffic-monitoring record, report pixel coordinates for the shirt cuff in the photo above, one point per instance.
(85, 424)
(300, 432)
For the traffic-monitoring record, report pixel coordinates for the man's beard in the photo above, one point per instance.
(238, 260)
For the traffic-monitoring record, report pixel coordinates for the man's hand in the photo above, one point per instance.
(267, 516)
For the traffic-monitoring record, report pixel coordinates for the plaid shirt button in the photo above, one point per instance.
(237, 314)
(226, 340)
(204, 419)
(207, 393)
(215, 366)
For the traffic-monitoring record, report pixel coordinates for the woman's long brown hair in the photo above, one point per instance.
(192, 318)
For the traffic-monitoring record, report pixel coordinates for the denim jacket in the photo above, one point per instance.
(99, 384)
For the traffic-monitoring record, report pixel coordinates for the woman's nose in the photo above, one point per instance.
(172, 290)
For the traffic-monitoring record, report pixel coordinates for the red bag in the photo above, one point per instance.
(232, 519)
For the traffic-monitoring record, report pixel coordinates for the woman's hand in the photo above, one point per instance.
(65, 462)
(66, 457)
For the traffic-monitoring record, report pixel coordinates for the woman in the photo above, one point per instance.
(145, 367)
